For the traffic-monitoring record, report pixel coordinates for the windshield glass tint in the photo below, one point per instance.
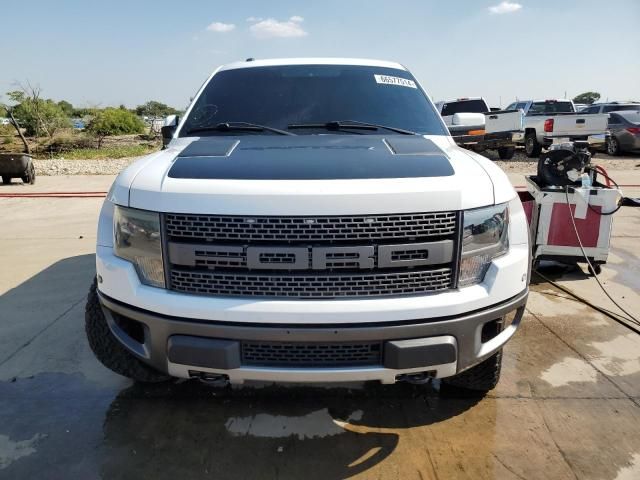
(283, 95)
(551, 107)
(467, 106)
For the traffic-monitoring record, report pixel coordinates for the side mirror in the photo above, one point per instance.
(168, 130)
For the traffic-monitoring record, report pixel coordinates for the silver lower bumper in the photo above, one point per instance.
(463, 332)
(312, 375)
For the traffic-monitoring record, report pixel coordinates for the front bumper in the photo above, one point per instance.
(439, 347)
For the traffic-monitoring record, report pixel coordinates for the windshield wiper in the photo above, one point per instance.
(350, 124)
(238, 127)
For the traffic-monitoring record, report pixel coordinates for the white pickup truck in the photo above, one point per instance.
(475, 126)
(311, 220)
(549, 121)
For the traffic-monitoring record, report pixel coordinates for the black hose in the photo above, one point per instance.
(604, 311)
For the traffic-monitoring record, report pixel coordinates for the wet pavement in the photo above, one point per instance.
(568, 404)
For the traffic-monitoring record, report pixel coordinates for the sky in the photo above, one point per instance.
(127, 52)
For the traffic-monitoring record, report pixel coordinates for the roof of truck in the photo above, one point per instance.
(272, 62)
(615, 103)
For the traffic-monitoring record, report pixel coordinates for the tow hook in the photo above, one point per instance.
(211, 379)
(419, 378)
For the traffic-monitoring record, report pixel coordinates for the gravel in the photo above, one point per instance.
(81, 167)
(519, 164)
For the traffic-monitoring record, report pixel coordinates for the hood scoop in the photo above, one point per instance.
(311, 157)
(412, 146)
(219, 148)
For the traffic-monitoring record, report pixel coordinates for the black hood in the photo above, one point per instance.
(311, 157)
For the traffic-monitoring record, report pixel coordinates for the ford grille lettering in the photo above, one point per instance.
(268, 257)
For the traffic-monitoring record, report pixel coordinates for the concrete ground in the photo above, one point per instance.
(567, 405)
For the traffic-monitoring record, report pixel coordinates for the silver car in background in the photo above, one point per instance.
(611, 107)
(624, 130)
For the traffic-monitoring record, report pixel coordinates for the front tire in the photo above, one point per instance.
(6, 179)
(506, 153)
(531, 145)
(481, 378)
(110, 351)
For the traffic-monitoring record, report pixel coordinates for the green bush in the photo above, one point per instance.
(106, 153)
(38, 116)
(114, 121)
(7, 130)
(69, 142)
(155, 109)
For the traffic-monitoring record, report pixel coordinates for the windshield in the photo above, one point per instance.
(301, 94)
(551, 107)
(465, 106)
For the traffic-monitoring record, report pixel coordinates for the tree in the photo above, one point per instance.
(35, 114)
(66, 107)
(8, 110)
(114, 121)
(587, 97)
(155, 109)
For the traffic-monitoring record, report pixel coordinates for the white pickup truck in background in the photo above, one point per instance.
(473, 125)
(549, 121)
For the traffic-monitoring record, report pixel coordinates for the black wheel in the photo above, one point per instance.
(596, 270)
(506, 153)
(613, 146)
(531, 145)
(108, 350)
(30, 176)
(6, 180)
(481, 378)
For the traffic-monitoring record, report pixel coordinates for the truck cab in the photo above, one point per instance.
(311, 220)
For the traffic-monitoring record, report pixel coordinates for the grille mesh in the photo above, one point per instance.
(284, 229)
(276, 354)
(311, 286)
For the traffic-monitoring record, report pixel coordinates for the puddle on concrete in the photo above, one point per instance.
(569, 370)
(75, 428)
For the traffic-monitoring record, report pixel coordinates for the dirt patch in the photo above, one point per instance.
(521, 164)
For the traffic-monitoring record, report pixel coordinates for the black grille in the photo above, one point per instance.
(292, 229)
(311, 286)
(276, 354)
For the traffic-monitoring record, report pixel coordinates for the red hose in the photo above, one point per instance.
(600, 169)
(53, 195)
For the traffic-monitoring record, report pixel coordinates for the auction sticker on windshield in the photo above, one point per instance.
(389, 80)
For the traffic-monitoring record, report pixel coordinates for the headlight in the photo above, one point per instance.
(485, 236)
(137, 239)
